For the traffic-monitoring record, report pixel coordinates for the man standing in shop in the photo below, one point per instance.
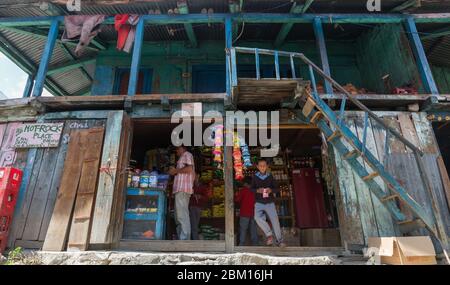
(182, 189)
(264, 187)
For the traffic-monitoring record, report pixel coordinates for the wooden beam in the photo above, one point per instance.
(228, 45)
(286, 28)
(136, 60)
(367, 18)
(421, 58)
(229, 198)
(406, 5)
(184, 9)
(321, 46)
(28, 86)
(70, 65)
(45, 59)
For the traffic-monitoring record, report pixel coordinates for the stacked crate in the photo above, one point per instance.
(10, 179)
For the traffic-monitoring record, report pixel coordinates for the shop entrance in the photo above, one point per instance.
(305, 205)
(150, 207)
(442, 134)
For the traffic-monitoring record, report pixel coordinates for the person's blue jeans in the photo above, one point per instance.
(261, 210)
(245, 224)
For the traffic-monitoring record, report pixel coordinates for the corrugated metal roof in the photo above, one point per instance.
(32, 47)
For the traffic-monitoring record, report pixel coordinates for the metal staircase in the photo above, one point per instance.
(353, 150)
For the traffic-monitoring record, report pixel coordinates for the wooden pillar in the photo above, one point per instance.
(136, 60)
(229, 198)
(421, 58)
(46, 57)
(321, 46)
(228, 45)
(28, 86)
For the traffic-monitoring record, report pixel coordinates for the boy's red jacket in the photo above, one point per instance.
(246, 198)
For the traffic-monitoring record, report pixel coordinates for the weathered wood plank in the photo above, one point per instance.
(102, 225)
(81, 221)
(424, 132)
(7, 151)
(173, 246)
(2, 132)
(383, 217)
(18, 221)
(21, 220)
(229, 199)
(395, 146)
(59, 166)
(445, 179)
(40, 194)
(29, 244)
(58, 229)
(120, 188)
(349, 217)
(408, 129)
(366, 210)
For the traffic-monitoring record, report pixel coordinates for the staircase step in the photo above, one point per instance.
(308, 107)
(334, 135)
(410, 225)
(351, 154)
(371, 176)
(389, 197)
(317, 116)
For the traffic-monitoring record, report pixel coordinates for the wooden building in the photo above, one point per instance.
(366, 91)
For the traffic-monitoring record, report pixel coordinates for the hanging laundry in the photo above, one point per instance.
(125, 26)
(82, 28)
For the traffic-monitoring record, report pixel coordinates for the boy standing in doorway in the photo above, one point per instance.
(264, 187)
(246, 198)
(182, 189)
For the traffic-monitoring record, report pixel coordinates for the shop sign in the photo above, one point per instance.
(38, 135)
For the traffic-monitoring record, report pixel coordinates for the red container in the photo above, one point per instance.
(10, 179)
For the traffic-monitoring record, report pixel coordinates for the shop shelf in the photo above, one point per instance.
(141, 216)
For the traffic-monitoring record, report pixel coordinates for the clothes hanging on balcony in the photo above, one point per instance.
(82, 28)
(125, 26)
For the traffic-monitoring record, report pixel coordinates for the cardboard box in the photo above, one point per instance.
(404, 250)
(320, 237)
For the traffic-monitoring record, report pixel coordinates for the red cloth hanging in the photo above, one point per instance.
(123, 29)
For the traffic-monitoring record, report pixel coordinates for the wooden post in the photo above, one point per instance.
(320, 40)
(229, 197)
(228, 45)
(135, 62)
(28, 86)
(107, 190)
(46, 57)
(421, 58)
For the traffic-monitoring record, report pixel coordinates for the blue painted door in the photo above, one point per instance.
(208, 78)
(122, 79)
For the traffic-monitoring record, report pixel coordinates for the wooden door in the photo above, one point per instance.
(30, 224)
(72, 214)
(109, 205)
